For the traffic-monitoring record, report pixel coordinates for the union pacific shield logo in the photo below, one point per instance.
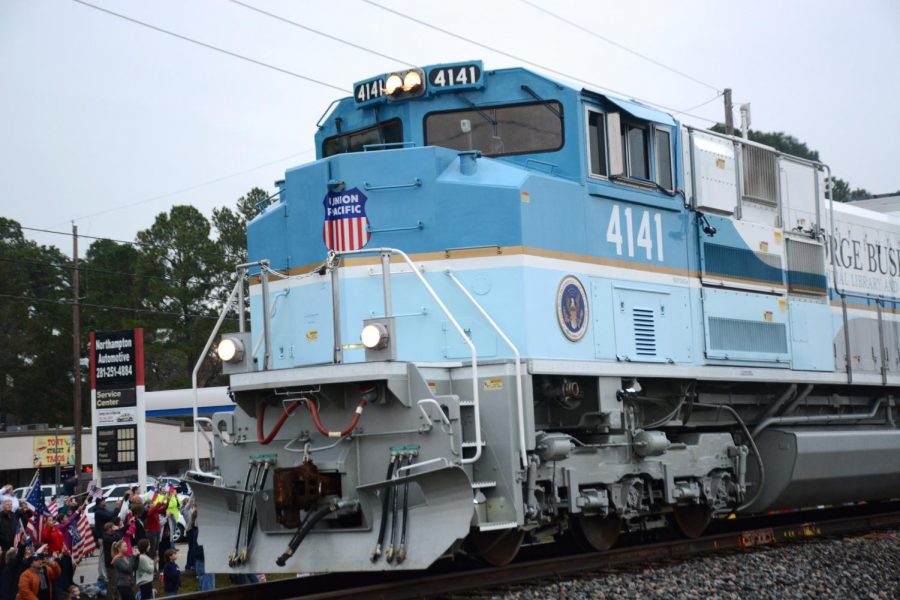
(346, 225)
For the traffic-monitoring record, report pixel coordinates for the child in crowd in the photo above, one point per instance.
(124, 565)
(145, 568)
(171, 573)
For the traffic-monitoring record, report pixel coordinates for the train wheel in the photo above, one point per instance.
(497, 548)
(594, 533)
(692, 519)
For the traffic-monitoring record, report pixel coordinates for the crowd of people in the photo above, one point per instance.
(132, 535)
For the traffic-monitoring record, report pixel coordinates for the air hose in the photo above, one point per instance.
(260, 418)
(385, 502)
(308, 523)
(401, 553)
(264, 439)
(314, 411)
(395, 500)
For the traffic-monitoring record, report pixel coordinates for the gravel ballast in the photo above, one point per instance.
(863, 566)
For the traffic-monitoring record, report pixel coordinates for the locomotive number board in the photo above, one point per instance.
(438, 79)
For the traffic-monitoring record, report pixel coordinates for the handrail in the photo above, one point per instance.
(236, 291)
(209, 440)
(394, 186)
(225, 308)
(520, 404)
(815, 419)
(472, 350)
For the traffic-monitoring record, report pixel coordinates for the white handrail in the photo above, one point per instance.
(476, 404)
(225, 308)
(520, 404)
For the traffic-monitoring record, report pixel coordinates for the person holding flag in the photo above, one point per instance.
(36, 500)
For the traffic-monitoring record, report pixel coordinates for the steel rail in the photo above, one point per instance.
(413, 584)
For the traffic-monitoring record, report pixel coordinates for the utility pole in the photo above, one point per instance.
(729, 118)
(76, 348)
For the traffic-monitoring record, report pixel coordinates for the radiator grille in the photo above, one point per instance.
(644, 320)
(760, 175)
(738, 335)
(806, 268)
(741, 263)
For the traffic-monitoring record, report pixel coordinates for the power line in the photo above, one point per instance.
(332, 37)
(110, 307)
(621, 46)
(524, 60)
(211, 47)
(91, 270)
(108, 239)
(713, 99)
(191, 188)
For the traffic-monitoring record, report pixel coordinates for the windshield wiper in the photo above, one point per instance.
(546, 103)
(474, 107)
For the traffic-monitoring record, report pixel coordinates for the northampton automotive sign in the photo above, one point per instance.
(117, 370)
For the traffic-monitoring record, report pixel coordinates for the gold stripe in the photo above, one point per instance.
(493, 251)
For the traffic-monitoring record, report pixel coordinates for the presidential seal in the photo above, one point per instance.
(572, 308)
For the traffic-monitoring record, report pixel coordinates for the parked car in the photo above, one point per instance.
(50, 490)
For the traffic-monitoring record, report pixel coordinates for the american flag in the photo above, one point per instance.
(82, 539)
(93, 491)
(346, 226)
(20, 533)
(53, 507)
(36, 499)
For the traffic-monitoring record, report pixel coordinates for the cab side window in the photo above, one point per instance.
(597, 143)
(637, 150)
(663, 147)
(630, 151)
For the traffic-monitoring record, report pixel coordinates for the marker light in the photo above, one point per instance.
(230, 350)
(393, 84)
(374, 336)
(411, 81)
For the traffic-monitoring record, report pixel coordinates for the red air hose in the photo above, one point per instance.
(335, 434)
(260, 418)
(261, 414)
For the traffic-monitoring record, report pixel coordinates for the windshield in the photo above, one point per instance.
(389, 132)
(498, 131)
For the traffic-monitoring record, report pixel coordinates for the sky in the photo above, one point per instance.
(105, 123)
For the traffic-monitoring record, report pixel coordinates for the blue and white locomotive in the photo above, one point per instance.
(497, 308)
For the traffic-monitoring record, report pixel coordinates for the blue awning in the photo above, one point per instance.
(636, 109)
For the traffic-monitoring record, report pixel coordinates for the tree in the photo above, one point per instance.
(183, 270)
(232, 229)
(232, 226)
(108, 278)
(779, 140)
(788, 144)
(36, 354)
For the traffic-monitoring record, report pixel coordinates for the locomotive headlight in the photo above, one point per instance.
(394, 82)
(374, 336)
(230, 350)
(411, 81)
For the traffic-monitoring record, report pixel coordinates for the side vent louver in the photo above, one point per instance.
(739, 335)
(806, 268)
(644, 320)
(760, 175)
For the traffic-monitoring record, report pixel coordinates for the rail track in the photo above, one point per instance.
(448, 578)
